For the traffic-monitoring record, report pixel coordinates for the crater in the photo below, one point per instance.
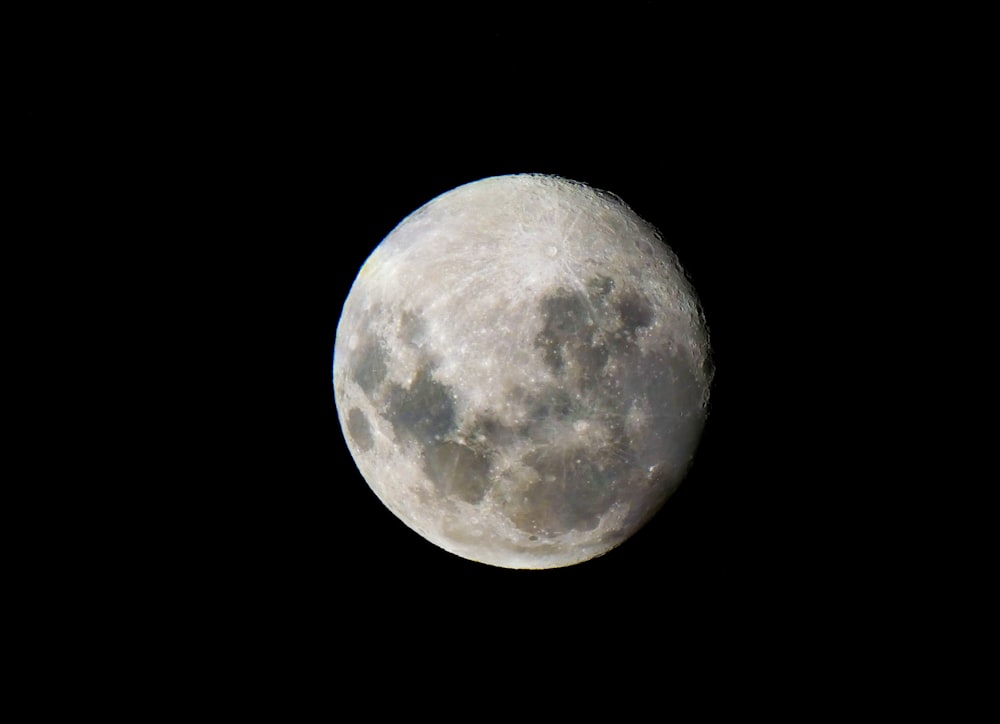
(359, 430)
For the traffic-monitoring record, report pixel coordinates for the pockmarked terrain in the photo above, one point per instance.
(522, 371)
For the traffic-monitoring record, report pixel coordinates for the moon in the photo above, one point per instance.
(522, 371)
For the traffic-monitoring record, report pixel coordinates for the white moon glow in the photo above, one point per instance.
(522, 371)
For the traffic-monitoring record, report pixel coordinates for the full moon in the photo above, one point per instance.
(522, 371)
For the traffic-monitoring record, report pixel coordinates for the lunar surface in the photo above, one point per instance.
(522, 371)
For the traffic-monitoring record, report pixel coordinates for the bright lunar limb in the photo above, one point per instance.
(522, 371)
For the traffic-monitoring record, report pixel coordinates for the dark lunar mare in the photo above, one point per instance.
(424, 411)
(359, 429)
(368, 366)
(574, 484)
(581, 333)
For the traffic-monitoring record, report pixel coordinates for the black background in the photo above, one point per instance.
(244, 168)
(726, 160)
